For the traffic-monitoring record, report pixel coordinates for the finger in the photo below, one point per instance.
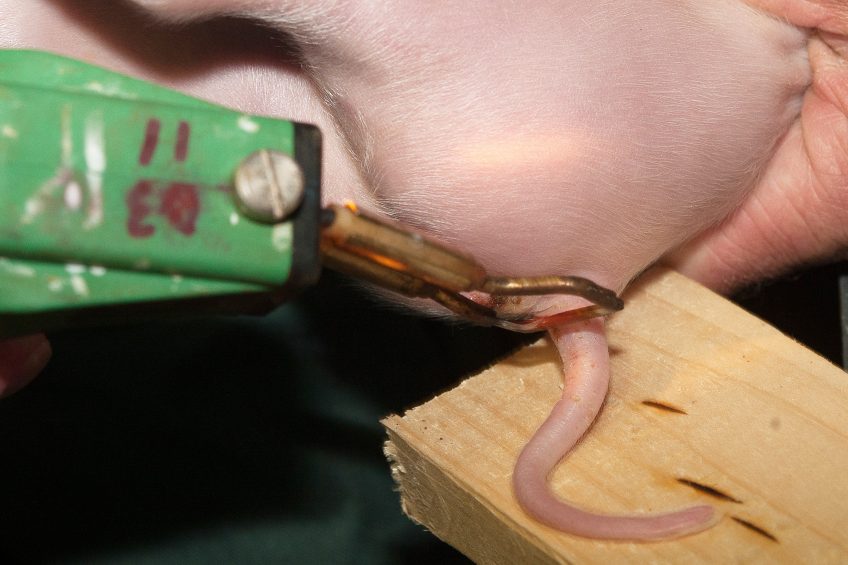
(827, 15)
(797, 213)
(21, 360)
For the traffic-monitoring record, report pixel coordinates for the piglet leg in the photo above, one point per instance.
(585, 356)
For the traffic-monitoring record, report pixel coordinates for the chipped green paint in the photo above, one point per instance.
(114, 190)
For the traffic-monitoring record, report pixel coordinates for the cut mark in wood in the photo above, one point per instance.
(708, 490)
(756, 529)
(663, 406)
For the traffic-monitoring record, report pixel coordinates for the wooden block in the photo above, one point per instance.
(702, 393)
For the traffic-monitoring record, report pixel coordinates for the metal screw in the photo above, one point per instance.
(269, 186)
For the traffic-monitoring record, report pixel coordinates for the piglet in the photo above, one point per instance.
(556, 137)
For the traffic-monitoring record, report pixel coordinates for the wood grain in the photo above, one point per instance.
(707, 404)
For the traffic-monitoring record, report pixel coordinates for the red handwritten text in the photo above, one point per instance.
(177, 202)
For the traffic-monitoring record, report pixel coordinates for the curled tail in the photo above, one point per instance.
(585, 356)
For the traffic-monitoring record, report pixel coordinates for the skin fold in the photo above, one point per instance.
(581, 138)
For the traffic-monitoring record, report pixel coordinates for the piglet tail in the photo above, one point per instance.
(585, 355)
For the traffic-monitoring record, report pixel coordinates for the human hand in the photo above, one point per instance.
(21, 360)
(797, 212)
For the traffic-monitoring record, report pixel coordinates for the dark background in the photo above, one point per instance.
(245, 440)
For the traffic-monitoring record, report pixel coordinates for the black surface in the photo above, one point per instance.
(306, 260)
(805, 306)
(843, 305)
(227, 440)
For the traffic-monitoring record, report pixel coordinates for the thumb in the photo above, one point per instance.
(21, 360)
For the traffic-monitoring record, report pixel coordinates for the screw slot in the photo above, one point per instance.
(269, 186)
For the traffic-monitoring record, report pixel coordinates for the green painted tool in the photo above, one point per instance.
(117, 199)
